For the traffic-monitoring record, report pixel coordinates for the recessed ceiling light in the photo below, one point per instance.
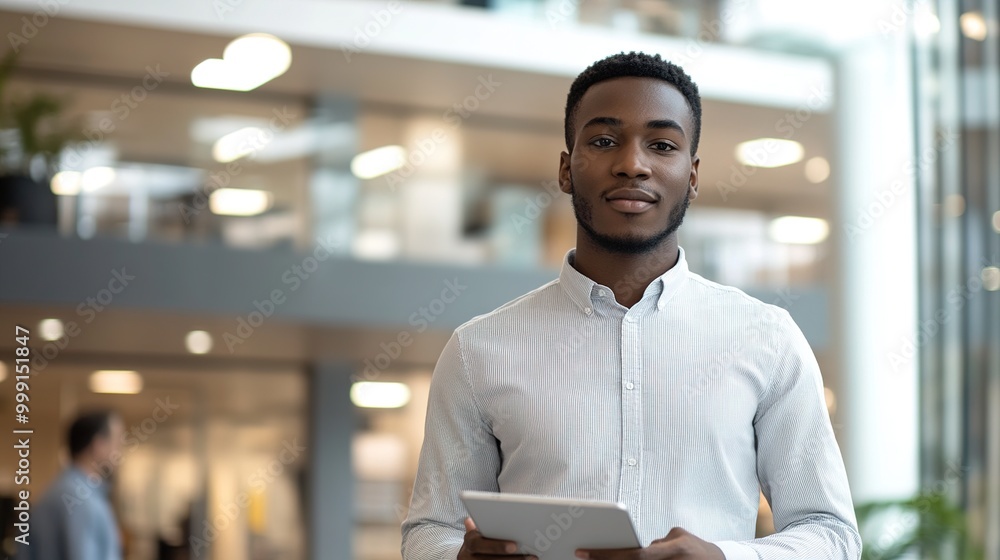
(817, 169)
(378, 394)
(50, 329)
(925, 23)
(798, 230)
(247, 63)
(769, 152)
(66, 183)
(973, 26)
(991, 278)
(239, 143)
(198, 342)
(239, 202)
(371, 164)
(97, 178)
(122, 382)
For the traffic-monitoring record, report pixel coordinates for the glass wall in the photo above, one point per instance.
(959, 225)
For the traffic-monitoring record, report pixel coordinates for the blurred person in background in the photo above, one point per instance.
(629, 378)
(74, 519)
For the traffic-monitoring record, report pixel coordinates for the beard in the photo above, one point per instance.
(627, 244)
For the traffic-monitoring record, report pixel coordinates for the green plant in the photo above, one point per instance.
(925, 522)
(36, 119)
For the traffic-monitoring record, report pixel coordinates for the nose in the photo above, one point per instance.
(631, 162)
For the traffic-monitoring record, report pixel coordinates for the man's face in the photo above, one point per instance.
(631, 174)
(107, 449)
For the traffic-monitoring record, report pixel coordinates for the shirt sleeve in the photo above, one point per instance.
(459, 453)
(799, 464)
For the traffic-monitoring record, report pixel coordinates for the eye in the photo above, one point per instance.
(662, 146)
(603, 142)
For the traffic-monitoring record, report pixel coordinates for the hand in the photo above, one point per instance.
(478, 547)
(678, 544)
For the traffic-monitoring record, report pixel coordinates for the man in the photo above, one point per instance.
(630, 378)
(74, 520)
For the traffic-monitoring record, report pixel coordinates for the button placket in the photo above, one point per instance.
(630, 490)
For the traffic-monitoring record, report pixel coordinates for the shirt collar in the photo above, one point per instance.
(100, 484)
(582, 290)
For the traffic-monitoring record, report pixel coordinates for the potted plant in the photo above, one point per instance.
(927, 522)
(32, 135)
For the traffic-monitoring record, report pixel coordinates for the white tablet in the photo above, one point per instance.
(551, 528)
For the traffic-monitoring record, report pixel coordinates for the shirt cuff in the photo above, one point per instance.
(733, 550)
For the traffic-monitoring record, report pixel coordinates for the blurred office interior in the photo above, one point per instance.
(262, 219)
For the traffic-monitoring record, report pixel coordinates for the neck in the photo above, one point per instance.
(628, 275)
(85, 464)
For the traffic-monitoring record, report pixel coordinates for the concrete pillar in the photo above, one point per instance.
(330, 480)
(876, 241)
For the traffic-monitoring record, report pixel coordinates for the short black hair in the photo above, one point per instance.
(639, 65)
(86, 427)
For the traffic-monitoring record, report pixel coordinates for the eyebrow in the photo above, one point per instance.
(654, 124)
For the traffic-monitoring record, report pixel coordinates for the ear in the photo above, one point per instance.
(565, 177)
(693, 181)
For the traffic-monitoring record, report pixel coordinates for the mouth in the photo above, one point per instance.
(631, 201)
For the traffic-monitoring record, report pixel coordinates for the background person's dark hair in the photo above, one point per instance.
(639, 65)
(86, 427)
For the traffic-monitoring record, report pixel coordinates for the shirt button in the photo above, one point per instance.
(601, 293)
(588, 310)
(631, 462)
(629, 386)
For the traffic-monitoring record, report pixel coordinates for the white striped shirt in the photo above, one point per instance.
(682, 408)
